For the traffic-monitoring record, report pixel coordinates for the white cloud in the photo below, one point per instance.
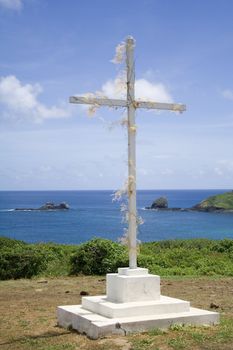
(228, 94)
(21, 101)
(12, 4)
(143, 90)
(114, 88)
(151, 91)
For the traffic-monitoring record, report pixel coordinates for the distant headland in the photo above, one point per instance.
(218, 203)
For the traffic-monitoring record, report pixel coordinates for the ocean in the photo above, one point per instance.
(93, 214)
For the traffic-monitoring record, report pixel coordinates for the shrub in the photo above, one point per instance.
(98, 257)
(194, 257)
(6, 242)
(19, 259)
(21, 263)
(223, 246)
(58, 257)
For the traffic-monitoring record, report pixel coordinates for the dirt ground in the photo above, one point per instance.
(28, 315)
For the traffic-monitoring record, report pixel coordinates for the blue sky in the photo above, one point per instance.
(51, 50)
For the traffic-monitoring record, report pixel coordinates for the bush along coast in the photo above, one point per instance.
(193, 257)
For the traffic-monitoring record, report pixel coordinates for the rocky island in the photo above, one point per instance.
(48, 206)
(218, 203)
(161, 203)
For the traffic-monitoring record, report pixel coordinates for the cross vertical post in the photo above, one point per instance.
(132, 228)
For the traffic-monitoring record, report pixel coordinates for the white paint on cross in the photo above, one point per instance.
(131, 105)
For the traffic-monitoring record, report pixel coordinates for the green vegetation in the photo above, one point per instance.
(193, 257)
(222, 201)
(98, 257)
(22, 260)
(19, 259)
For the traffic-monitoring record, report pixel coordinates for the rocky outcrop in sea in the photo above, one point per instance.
(48, 206)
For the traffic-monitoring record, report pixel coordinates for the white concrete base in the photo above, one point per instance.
(96, 326)
(102, 315)
(132, 285)
(100, 305)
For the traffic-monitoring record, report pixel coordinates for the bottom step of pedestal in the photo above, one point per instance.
(95, 325)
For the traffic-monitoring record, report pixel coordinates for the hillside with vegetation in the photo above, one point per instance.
(220, 202)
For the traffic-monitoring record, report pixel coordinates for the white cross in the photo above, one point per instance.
(131, 105)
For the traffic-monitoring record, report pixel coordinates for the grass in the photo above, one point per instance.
(187, 337)
(28, 318)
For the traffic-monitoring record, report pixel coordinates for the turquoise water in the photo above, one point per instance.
(93, 214)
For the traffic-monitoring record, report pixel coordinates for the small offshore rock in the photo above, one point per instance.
(160, 203)
(52, 206)
(47, 206)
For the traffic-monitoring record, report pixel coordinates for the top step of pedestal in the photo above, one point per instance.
(126, 271)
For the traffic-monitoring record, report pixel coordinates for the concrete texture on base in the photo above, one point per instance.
(130, 285)
(101, 305)
(96, 326)
(132, 304)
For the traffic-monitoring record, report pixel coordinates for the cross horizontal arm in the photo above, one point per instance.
(98, 101)
(123, 103)
(156, 105)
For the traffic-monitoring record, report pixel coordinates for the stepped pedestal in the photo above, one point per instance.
(132, 304)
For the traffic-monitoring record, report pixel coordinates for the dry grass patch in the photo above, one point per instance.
(28, 318)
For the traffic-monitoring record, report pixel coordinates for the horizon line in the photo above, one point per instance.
(113, 190)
